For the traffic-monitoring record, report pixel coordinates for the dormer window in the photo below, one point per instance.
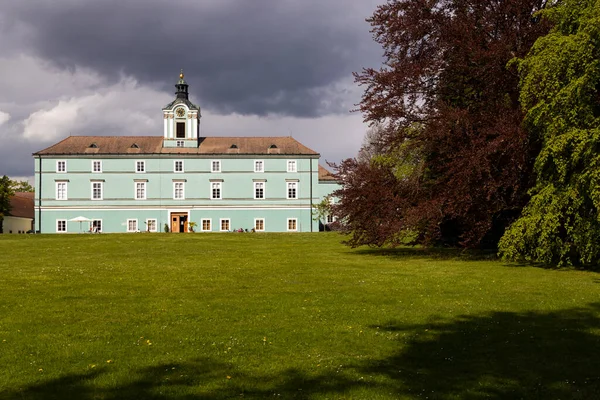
(233, 146)
(93, 146)
(135, 146)
(273, 146)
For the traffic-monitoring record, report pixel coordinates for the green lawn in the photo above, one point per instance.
(211, 316)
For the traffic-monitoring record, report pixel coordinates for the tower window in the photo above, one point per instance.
(181, 130)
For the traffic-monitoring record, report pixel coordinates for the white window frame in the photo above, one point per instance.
(220, 188)
(94, 166)
(175, 166)
(263, 224)
(228, 224)
(57, 192)
(101, 190)
(209, 225)
(64, 166)
(287, 192)
(212, 166)
(175, 191)
(135, 190)
(264, 190)
(155, 225)
(137, 166)
(58, 221)
(136, 225)
(295, 222)
(262, 166)
(92, 224)
(329, 219)
(294, 165)
(180, 143)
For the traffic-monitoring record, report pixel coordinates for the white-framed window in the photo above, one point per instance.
(140, 167)
(179, 143)
(96, 166)
(292, 224)
(259, 190)
(151, 225)
(178, 166)
(259, 224)
(61, 225)
(215, 166)
(132, 225)
(225, 224)
(178, 190)
(205, 225)
(96, 226)
(291, 166)
(292, 190)
(140, 190)
(61, 191)
(61, 166)
(97, 190)
(215, 190)
(330, 219)
(259, 166)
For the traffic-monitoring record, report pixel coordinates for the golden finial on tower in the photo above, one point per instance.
(181, 74)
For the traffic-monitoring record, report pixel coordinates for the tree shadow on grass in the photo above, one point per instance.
(502, 355)
(531, 355)
(439, 253)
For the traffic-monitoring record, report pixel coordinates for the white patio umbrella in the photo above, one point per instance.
(80, 220)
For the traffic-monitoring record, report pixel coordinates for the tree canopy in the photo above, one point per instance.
(6, 192)
(560, 93)
(455, 161)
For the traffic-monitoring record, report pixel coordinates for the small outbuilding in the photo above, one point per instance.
(20, 216)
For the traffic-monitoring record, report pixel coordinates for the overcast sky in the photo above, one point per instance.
(255, 67)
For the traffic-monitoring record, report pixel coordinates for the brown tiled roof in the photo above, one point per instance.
(74, 145)
(325, 175)
(21, 205)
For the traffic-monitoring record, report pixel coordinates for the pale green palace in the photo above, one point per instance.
(155, 183)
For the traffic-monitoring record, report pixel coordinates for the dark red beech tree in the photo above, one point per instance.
(450, 106)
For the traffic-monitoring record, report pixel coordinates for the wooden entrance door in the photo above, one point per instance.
(179, 222)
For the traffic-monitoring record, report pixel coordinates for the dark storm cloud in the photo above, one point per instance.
(246, 56)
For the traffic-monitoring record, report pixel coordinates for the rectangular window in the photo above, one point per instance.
(61, 166)
(215, 166)
(259, 166)
(180, 143)
(259, 224)
(180, 130)
(96, 166)
(206, 225)
(61, 225)
(151, 225)
(178, 167)
(292, 224)
(132, 225)
(329, 219)
(178, 190)
(292, 190)
(140, 166)
(215, 190)
(259, 190)
(96, 226)
(291, 166)
(97, 190)
(61, 190)
(140, 190)
(225, 225)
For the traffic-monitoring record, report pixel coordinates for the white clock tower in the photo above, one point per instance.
(181, 119)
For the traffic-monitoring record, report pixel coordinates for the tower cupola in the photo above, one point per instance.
(182, 87)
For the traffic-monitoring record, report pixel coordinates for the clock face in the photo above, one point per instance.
(180, 112)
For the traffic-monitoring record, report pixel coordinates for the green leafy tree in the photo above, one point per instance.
(560, 93)
(6, 193)
(21, 186)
